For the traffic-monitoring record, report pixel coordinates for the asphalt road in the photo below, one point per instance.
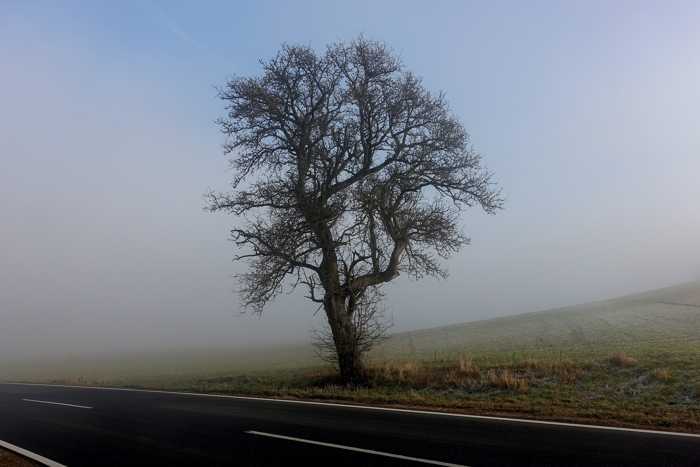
(119, 428)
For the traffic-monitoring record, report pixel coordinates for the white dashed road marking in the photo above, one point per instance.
(351, 448)
(57, 403)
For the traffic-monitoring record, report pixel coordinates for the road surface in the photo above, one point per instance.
(101, 427)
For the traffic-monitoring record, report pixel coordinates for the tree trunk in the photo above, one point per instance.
(350, 363)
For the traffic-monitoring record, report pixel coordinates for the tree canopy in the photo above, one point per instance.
(347, 172)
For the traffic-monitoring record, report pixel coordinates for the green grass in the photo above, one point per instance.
(651, 319)
(632, 361)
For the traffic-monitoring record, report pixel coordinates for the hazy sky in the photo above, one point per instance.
(586, 111)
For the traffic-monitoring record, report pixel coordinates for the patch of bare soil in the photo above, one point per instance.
(10, 459)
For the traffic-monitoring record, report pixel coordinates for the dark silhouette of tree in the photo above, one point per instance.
(347, 172)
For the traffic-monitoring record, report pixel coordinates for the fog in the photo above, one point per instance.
(586, 112)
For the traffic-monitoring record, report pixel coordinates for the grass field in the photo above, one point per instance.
(632, 361)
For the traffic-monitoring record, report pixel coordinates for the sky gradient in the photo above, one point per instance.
(587, 112)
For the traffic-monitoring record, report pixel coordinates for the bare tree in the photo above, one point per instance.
(347, 172)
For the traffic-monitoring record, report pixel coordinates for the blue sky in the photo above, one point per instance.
(586, 111)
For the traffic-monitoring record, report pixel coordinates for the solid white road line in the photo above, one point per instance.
(351, 448)
(377, 408)
(29, 454)
(57, 403)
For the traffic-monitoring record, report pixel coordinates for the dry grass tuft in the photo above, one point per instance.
(662, 374)
(468, 368)
(506, 379)
(566, 371)
(622, 360)
(463, 373)
(411, 373)
(406, 371)
(530, 364)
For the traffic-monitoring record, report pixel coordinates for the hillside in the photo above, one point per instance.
(647, 321)
(658, 317)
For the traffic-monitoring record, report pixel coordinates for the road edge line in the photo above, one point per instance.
(377, 408)
(30, 455)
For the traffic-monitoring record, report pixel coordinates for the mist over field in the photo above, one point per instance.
(586, 113)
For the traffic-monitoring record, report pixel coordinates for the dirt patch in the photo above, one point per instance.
(10, 459)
